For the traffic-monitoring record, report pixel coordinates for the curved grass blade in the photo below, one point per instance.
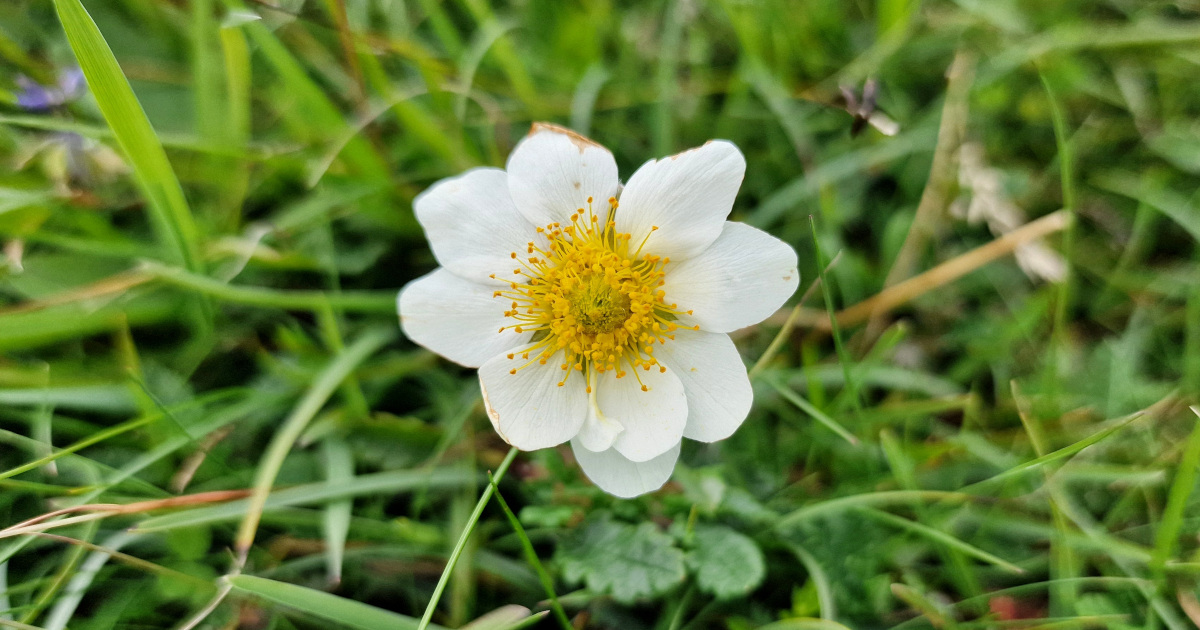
(942, 538)
(868, 499)
(328, 381)
(1054, 456)
(1167, 537)
(531, 557)
(796, 399)
(339, 610)
(169, 209)
(339, 469)
(308, 494)
(462, 539)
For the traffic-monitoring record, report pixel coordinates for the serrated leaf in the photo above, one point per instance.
(629, 562)
(726, 563)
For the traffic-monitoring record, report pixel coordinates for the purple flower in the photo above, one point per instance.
(36, 97)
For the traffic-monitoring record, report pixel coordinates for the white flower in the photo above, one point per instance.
(594, 320)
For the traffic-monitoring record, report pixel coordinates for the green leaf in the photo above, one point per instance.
(726, 563)
(344, 612)
(629, 562)
(169, 209)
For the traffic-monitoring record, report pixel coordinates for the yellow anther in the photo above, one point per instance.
(592, 296)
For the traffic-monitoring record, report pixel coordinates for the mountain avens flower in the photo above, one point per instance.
(595, 314)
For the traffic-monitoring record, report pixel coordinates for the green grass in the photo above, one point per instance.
(199, 260)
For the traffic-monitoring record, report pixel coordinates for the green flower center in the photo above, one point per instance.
(598, 306)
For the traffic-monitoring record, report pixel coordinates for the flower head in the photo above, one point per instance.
(34, 96)
(595, 314)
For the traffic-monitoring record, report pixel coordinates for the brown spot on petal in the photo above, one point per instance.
(681, 153)
(492, 414)
(581, 141)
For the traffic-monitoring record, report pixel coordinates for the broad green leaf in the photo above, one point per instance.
(726, 563)
(630, 562)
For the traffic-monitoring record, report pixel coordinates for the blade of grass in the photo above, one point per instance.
(1033, 587)
(510, 617)
(942, 538)
(65, 572)
(281, 444)
(95, 438)
(937, 612)
(818, 576)
(532, 558)
(214, 420)
(1178, 207)
(509, 60)
(65, 607)
(462, 540)
(583, 102)
(1167, 536)
(843, 354)
(804, 624)
(488, 35)
(820, 416)
(169, 210)
(339, 610)
(362, 485)
(236, 128)
(1063, 561)
(5, 603)
(903, 470)
(868, 499)
(1048, 458)
(788, 324)
(323, 116)
(353, 301)
(1066, 169)
(339, 469)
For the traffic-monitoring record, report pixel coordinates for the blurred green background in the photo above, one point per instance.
(201, 298)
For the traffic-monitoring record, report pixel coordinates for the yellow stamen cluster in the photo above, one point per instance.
(593, 295)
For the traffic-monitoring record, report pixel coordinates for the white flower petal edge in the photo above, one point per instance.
(456, 318)
(528, 409)
(715, 381)
(653, 419)
(739, 281)
(553, 171)
(473, 226)
(617, 475)
(687, 196)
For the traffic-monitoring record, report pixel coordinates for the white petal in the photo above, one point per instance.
(553, 171)
(624, 478)
(473, 226)
(653, 419)
(687, 196)
(739, 281)
(714, 380)
(456, 318)
(528, 409)
(599, 431)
